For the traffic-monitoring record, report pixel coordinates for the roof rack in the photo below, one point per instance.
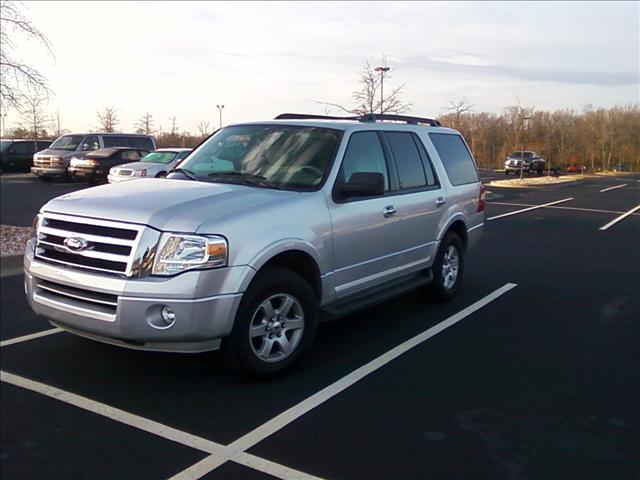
(305, 116)
(373, 117)
(370, 117)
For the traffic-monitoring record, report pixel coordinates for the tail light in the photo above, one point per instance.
(481, 199)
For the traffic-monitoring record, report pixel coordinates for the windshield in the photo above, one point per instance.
(4, 144)
(288, 157)
(67, 142)
(525, 155)
(159, 157)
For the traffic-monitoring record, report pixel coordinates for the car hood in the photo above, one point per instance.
(149, 166)
(59, 153)
(165, 204)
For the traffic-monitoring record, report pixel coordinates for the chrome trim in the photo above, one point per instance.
(76, 296)
(87, 236)
(84, 312)
(179, 300)
(477, 226)
(400, 252)
(111, 257)
(75, 265)
(93, 221)
(385, 273)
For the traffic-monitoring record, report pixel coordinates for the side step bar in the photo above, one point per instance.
(378, 294)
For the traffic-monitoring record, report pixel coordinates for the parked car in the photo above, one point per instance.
(622, 167)
(155, 164)
(54, 161)
(575, 168)
(262, 229)
(532, 163)
(17, 155)
(94, 166)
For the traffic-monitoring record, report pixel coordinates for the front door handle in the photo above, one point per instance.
(389, 211)
(440, 201)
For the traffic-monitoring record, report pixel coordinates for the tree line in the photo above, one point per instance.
(596, 138)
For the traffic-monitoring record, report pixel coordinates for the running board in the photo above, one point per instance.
(378, 294)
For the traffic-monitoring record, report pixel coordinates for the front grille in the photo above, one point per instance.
(125, 173)
(47, 162)
(101, 306)
(100, 245)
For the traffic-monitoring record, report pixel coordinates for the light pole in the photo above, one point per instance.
(220, 107)
(382, 70)
(3, 121)
(524, 143)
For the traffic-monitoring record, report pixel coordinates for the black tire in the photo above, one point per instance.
(438, 290)
(506, 172)
(271, 283)
(161, 175)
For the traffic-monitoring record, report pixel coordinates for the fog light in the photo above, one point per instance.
(168, 315)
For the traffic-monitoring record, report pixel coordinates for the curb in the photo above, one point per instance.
(11, 265)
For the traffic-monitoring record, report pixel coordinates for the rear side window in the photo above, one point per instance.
(364, 154)
(408, 162)
(455, 157)
(142, 143)
(23, 148)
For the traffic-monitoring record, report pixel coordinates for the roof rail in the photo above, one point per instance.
(305, 116)
(369, 117)
(373, 117)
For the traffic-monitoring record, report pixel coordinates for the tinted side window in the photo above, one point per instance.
(182, 155)
(142, 143)
(90, 142)
(115, 141)
(364, 154)
(130, 155)
(23, 148)
(408, 161)
(455, 157)
(43, 145)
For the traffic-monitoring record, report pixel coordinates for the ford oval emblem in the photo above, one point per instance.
(76, 244)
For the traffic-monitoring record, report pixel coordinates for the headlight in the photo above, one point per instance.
(140, 173)
(178, 252)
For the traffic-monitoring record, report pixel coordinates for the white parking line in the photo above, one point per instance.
(621, 217)
(529, 209)
(150, 426)
(594, 210)
(613, 188)
(32, 336)
(238, 447)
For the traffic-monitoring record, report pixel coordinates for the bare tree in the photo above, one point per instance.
(19, 80)
(458, 108)
(174, 129)
(56, 124)
(145, 124)
(34, 118)
(367, 97)
(108, 119)
(204, 128)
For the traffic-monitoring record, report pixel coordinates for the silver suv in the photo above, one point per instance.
(264, 229)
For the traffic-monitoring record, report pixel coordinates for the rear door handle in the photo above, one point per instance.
(389, 211)
(440, 201)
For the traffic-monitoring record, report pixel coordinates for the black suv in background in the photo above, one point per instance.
(532, 163)
(17, 155)
(54, 161)
(94, 166)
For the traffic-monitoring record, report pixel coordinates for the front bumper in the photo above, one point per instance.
(205, 304)
(120, 178)
(84, 173)
(49, 171)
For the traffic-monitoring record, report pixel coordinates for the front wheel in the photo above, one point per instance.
(448, 268)
(276, 321)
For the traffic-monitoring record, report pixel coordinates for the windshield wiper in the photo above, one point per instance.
(187, 173)
(247, 178)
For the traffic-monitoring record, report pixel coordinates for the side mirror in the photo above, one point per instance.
(362, 184)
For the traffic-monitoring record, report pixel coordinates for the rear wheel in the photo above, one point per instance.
(161, 175)
(276, 321)
(448, 269)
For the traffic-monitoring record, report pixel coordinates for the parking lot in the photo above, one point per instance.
(532, 372)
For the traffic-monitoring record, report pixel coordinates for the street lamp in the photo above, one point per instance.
(382, 70)
(524, 143)
(220, 107)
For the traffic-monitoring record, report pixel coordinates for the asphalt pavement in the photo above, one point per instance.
(539, 382)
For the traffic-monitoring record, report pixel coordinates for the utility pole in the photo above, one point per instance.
(220, 107)
(382, 70)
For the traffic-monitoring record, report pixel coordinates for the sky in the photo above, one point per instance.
(180, 59)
